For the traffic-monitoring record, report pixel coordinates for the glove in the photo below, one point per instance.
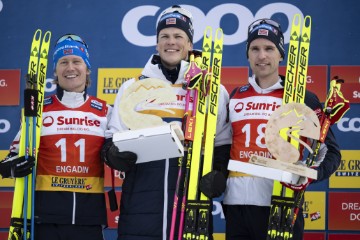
(213, 184)
(121, 161)
(16, 167)
(301, 185)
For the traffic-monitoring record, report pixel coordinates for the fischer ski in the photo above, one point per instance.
(210, 131)
(22, 216)
(282, 201)
(198, 210)
(202, 82)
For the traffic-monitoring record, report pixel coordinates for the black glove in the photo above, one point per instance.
(121, 161)
(213, 184)
(16, 167)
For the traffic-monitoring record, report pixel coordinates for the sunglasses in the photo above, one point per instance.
(263, 21)
(178, 9)
(72, 37)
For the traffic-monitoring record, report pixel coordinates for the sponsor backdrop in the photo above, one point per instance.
(121, 37)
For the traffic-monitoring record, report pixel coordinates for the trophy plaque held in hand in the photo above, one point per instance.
(298, 121)
(148, 136)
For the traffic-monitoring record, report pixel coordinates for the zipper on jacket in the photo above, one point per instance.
(74, 208)
(166, 179)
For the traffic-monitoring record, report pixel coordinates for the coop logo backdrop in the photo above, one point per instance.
(133, 18)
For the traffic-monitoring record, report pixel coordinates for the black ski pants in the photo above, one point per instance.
(248, 222)
(47, 231)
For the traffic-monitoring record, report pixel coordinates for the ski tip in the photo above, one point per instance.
(297, 19)
(208, 28)
(47, 36)
(37, 35)
(208, 33)
(219, 34)
(307, 21)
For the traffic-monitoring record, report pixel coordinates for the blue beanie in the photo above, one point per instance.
(176, 17)
(269, 32)
(71, 47)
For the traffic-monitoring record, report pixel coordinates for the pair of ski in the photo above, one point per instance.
(202, 82)
(282, 201)
(285, 202)
(22, 215)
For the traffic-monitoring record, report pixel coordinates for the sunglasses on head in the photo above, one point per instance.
(263, 21)
(180, 10)
(72, 37)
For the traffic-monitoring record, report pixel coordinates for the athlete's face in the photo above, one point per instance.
(173, 46)
(264, 60)
(72, 72)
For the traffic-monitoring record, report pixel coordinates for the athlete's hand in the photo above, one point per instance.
(302, 184)
(121, 161)
(16, 167)
(213, 184)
